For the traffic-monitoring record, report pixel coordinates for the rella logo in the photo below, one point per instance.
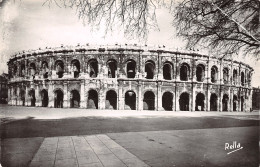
(233, 147)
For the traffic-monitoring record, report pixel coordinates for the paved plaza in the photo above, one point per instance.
(63, 137)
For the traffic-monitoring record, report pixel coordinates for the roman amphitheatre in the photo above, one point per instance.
(128, 77)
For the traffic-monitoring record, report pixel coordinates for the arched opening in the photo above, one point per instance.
(148, 101)
(130, 100)
(149, 69)
(213, 102)
(93, 68)
(167, 101)
(75, 65)
(235, 103)
(32, 97)
(184, 72)
(112, 68)
(92, 99)
(58, 99)
(242, 78)
(14, 71)
(45, 69)
(242, 103)
(200, 72)
(234, 76)
(225, 102)
(22, 96)
(167, 71)
(200, 98)
(111, 100)
(32, 69)
(214, 74)
(184, 102)
(130, 68)
(59, 66)
(45, 98)
(22, 70)
(74, 99)
(225, 75)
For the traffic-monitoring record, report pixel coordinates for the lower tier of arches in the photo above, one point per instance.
(132, 97)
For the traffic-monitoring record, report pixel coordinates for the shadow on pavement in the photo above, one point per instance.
(30, 127)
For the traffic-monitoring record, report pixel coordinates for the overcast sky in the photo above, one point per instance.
(27, 24)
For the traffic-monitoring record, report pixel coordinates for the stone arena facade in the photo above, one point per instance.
(128, 77)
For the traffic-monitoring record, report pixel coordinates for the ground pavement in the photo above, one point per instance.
(168, 139)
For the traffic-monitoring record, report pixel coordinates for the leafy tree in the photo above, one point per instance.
(225, 26)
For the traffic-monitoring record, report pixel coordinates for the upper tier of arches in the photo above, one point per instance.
(132, 63)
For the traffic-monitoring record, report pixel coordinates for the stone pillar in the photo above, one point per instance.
(177, 97)
(220, 107)
(83, 103)
(177, 71)
(120, 96)
(51, 95)
(10, 95)
(231, 101)
(101, 99)
(207, 100)
(18, 99)
(139, 98)
(66, 95)
(159, 96)
(26, 96)
(160, 66)
(37, 96)
(192, 104)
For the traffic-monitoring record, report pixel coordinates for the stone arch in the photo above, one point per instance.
(130, 68)
(242, 78)
(75, 65)
(213, 102)
(111, 100)
(22, 96)
(184, 101)
(92, 99)
(130, 100)
(45, 69)
(59, 67)
(32, 68)
(58, 98)
(184, 72)
(74, 99)
(149, 101)
(167, 70)
(112, 68)
(235, 75)
(214, 74)
(14, 70)
(22, 69)
(31, 94)
(225, 75)
(242, 103)
(93, 68)
(235, 103)
(167, 101)
(45, 98)
(200, 102)
(225, 100)
(200, 72)
(149, 69)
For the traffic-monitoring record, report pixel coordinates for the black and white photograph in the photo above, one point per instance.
(129, 83)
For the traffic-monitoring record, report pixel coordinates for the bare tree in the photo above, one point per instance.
(224, 26)
(136, 17)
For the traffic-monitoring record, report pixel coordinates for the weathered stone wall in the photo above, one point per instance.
(129, 77)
